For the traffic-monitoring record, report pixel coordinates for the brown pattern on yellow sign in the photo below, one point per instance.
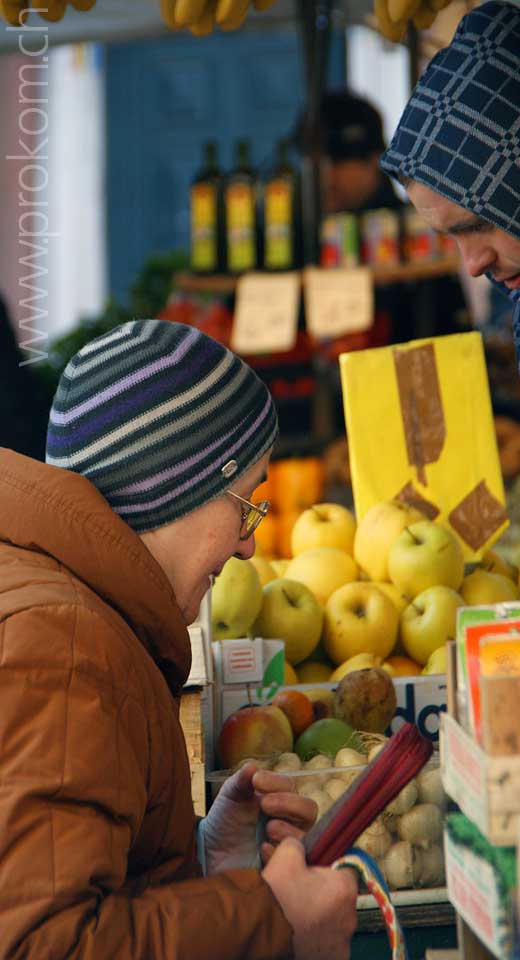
(408, 494)
(421, 406)
(477, 517)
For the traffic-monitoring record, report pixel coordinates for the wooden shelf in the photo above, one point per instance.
(398, 273)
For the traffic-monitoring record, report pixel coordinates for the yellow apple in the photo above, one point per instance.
(359, 618)
(323, 570)
(362, 661)
(376, 532)
(494, 563)
(436, 662)
(311, 672)
(481, 587)
(290, 676)
(425, 555)
(280, 567)
(429, 622)
(236, 598)
(290, 612)
(391, 591)
(263, 568)
(324, 525)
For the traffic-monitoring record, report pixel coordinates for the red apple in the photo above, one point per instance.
(256, 732)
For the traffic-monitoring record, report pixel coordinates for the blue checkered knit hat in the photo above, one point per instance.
(160, 418)
(460, 132)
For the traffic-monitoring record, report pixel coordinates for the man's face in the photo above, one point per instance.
(484, 248)
(348, 184)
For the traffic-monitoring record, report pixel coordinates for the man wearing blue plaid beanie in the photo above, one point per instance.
(457, 146)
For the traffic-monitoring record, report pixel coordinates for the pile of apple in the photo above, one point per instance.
(384, 592)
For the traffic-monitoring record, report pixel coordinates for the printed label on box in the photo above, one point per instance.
(473, 891)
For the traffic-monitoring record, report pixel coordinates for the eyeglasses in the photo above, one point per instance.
(252, 514)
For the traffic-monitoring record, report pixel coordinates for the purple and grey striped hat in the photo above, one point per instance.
(160, 418)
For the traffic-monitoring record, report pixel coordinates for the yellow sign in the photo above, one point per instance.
(420, 429)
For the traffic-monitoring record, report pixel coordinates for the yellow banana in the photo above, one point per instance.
(424, 17)
(204, 26)
(401, 10)
(263, 4)
(230, 11)
(52, 10)
(168, 14)
(82, 5)
(392, 31)
(10, 10)
(187, 12)
(234, 23)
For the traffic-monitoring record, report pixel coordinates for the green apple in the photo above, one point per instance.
(236, 599)
(323, 570)
(290, 612)
(482, 587)
(376, 532)
(493, 562)
(359, 618)
(429, 621)
(263, 569)
(324, 525)
(425, 555)
(279, 566)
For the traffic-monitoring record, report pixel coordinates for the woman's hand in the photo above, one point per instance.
(230, 828)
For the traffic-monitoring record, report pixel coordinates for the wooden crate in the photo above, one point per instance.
(191, 714)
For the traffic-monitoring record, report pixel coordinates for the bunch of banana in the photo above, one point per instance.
(393, 16)
(51, 10)
(202, 16)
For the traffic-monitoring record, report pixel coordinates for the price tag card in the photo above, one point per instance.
(266, 313)
(338, 301)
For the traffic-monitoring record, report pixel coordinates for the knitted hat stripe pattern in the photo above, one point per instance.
(169, 474)
(133, 380)
(149, 449)
(111, 415)
(152, 412)
(460, 132)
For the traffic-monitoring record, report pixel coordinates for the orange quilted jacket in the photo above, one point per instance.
(97, 838)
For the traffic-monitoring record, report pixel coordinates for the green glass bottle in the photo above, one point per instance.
(240, 202)
(281, 206)
(206, 214)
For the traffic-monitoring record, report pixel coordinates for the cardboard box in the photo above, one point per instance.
(486, 788)
(247, 673)
(472, 889)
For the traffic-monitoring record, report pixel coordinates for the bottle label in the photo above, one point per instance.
(278, 205)
(204, 253)
(240, 213)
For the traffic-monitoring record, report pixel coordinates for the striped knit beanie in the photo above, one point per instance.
(160, 418)
(460, 132)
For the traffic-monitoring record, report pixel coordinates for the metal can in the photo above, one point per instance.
(350, 240)
(421, 243)
(330, 243)
(380, 237)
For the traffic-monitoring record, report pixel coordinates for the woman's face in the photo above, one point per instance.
(195, 548)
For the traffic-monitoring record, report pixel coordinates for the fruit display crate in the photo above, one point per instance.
(486, 788)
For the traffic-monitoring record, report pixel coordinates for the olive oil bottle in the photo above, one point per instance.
(240, 203)
(281, 207)
(206, 213)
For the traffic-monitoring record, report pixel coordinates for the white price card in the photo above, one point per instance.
(266, 313)
(338, 301)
